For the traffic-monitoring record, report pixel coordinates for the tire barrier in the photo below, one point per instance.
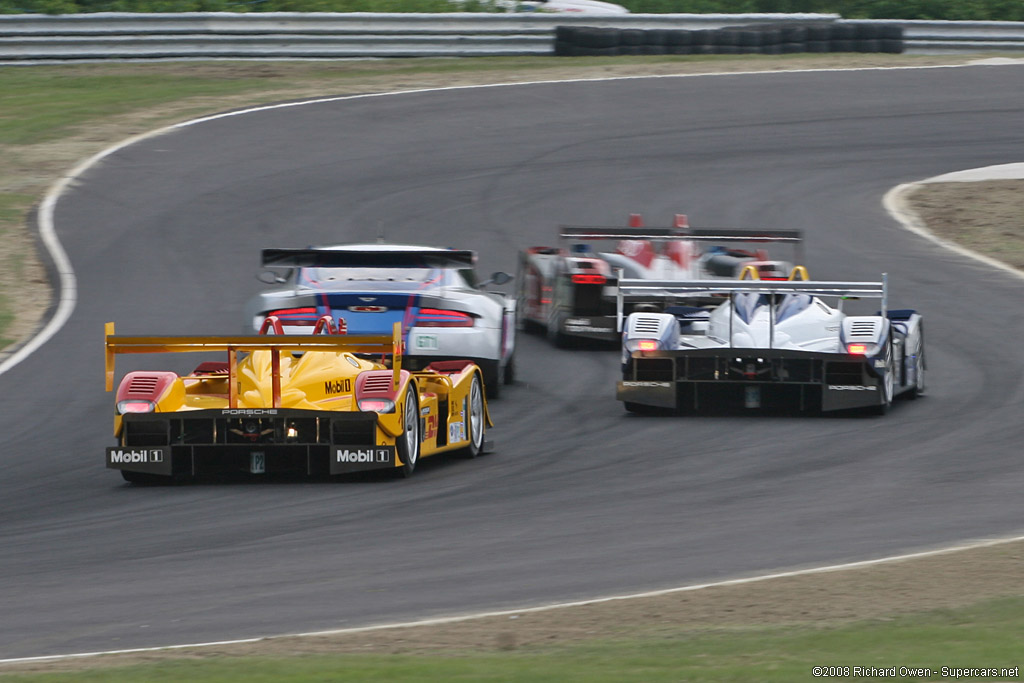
(764, 39)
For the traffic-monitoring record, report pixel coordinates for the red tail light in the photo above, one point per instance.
(859, 349)
(135, 406)
(647, 345)
(581, 279)
(436, 317)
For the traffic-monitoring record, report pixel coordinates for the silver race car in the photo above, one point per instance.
(446, 314)
(767, 344)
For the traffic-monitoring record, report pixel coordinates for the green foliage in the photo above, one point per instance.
(953, 10)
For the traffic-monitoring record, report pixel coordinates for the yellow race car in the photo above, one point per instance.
(321, 404)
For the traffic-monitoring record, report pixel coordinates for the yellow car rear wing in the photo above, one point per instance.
(325, 343)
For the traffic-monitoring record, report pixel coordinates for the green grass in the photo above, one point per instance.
(38, 104)
(983, 636)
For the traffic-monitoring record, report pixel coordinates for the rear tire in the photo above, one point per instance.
(476, 422)
(509, 375)
(492, 378)
(888, 387)
(408, 444)
(919, 364)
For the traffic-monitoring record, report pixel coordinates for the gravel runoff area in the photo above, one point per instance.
(982, 215)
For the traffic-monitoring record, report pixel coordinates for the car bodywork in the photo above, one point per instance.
(308, 405)
(768, 343)
(569, 291)
(432, 292)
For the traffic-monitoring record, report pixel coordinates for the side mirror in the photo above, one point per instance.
(498, 278)
(269, 277)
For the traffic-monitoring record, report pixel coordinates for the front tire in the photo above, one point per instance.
(409, 442)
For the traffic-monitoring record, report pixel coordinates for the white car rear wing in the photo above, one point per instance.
(673, 290)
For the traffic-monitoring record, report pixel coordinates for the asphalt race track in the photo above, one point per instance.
(580, 499)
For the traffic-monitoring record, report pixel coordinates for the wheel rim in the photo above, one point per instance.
(411, 435)
(476, 413)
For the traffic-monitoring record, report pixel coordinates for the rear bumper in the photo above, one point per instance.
(708, 379)
(263, 441)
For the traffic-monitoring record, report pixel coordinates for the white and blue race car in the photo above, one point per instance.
(768, 344)
(445, 312)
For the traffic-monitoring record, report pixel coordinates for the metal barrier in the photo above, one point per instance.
(286, 35)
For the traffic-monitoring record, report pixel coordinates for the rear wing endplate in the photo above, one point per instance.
(118, 344)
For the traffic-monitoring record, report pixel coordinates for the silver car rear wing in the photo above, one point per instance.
(673, 290)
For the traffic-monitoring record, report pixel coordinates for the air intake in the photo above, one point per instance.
(647, 326)
(867, 329)
(377, 383)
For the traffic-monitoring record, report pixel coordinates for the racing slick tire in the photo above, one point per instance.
(888, 386)
(477, 426)
(508, 376)
(918, 389)
(492, 378)
(408, 443)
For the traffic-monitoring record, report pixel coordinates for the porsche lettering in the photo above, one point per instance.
(249, 411)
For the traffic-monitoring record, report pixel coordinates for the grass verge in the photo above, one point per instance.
(984, 637)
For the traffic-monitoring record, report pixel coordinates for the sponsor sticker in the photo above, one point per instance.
(587, 329)
(257, 462)
(249, 411)
(646, 384)
(338, 386)
(851, 387)
(456, 432)
(426, 341)
(363, 455)
(125, 456)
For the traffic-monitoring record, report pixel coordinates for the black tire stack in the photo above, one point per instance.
(764, 39)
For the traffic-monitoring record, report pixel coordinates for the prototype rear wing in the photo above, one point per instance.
(118, 344)
(668, 290)
(581, 233)
(344, 258)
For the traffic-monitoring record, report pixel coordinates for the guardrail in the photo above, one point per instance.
(278, 35)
